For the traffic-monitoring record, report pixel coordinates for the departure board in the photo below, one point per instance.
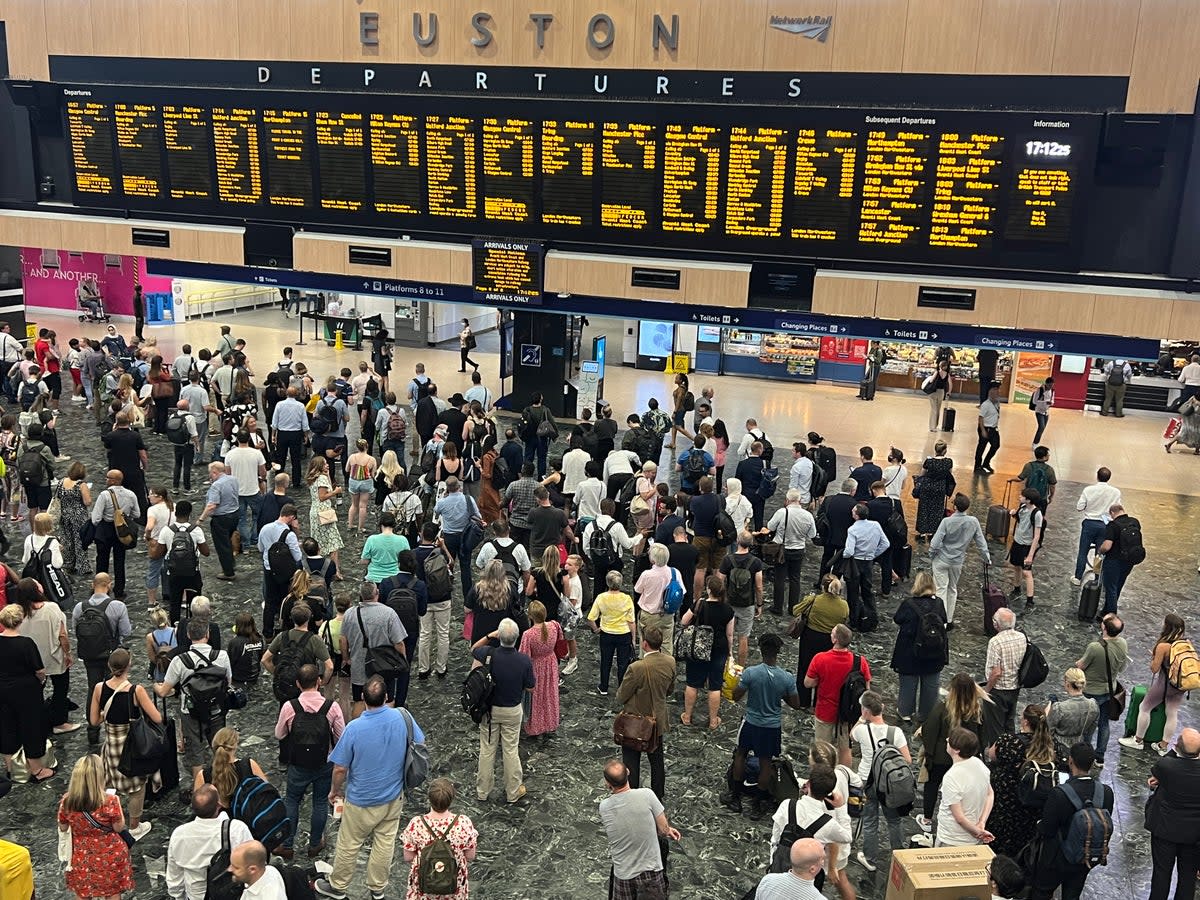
(340, 160)
(89, 129)
(139, 148)
(187, 136)
(957, 188)
(507, 271)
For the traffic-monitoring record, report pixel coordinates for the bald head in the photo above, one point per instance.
(1004, 619)
(808, 855)
(1189, 743)
(183, 404)
(114, 476)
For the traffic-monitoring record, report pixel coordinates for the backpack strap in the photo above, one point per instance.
(362, 628)
(792, 809)
(296, 707)
(225, 834)
(820, 823)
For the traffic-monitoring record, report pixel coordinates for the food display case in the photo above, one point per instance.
(909, 364)
(783, 356)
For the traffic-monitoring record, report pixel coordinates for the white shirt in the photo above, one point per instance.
(243, 463)
(739, 510)
(190, 850)
(967, 784)
(574, 469)
(617, 534)
(894, 478)
(166, 535)
(36, 544)
(990, 413)
(792, 526)
(621, 462)
(1095, 499)
(748, 439)
(808, 811)
(587, 498)
(487, 552)
(801, 478)
(157, 516)
(269, 887)
(882, 733)
(1190, 375)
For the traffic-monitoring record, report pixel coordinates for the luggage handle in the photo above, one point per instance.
(1007, 488)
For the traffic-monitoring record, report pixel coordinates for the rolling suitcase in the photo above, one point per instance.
(993, 600)
(1158, 718)
(948, 415)
(998, 519)
(1089, 599)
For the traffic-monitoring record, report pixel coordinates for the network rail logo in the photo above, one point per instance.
(811, 27)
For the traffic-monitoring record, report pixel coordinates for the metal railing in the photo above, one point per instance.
(197, 299)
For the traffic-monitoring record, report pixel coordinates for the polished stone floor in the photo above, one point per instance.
(551, 845)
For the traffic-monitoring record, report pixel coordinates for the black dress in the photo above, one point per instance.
(1011, 822)
(937, 483)
(23, 719)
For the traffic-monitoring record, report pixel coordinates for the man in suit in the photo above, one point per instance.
(644, 693)
(1173, 818)
(837, 511)
(1054, 869)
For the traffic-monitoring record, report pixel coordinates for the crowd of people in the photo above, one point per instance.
(683, 547)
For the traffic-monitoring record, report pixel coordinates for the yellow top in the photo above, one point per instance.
(614, 610)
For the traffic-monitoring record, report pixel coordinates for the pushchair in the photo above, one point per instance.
(86, 314)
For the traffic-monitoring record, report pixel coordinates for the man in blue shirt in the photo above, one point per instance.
(333, 440)
(512, 673)
(456, 510)
(866, 474)
(765, 687)
(710, 554)
(289, 427)
(275, 588)
(750, 470)
(224, 506)
(368, 770)
(691, 470)
(865, 541)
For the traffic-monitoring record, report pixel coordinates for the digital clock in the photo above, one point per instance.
(1047, 148)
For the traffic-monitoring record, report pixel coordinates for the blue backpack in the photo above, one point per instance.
(1091, 828)
(673, 595)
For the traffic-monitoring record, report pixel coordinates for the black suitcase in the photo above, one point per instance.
(948, 415)
(993, 601)
(866, 389)
(1089, 599)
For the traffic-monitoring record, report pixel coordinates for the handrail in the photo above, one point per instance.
(200, 297)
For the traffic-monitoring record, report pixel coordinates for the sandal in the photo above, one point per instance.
(713, 726)
(684, 719)
(45, 774)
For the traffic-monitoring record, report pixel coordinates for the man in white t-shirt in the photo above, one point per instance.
(814, 803)
(966, 794)
(574, 466)
(871, 733)
(180, 577)
(248, 465)
(248, 865)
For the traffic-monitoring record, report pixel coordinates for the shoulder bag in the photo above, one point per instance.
(385, 660)
(639, 733)
(770, 551)
(1116, 690)
(800, 622)
(695, 641)
(123, 835)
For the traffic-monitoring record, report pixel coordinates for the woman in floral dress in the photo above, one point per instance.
(322, 493)
(538, 643)
(460, 833)
(74, 501)
(100, 865)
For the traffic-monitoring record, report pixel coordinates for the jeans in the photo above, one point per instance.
(622, 646)
(1091, 534)
(793, 562)
(658, 770)
(945, 582)
(538, 446)
(870, 829)
(437, 617)
(380, 824)
(928, 685)
(989, 437)
(185, 455)
(1101, 725)
(1113, 574)
(1167, 855)
(223, 527)
(298, 781)
(250, 504)
(1043, 419)
(503, 731)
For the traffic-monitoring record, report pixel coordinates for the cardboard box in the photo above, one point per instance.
(942, 873)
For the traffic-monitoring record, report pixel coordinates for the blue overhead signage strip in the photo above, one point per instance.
(953, 335)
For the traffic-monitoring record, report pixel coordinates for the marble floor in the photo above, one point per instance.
(551, 845)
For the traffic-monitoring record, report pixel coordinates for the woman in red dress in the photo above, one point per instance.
(538, 643)
(100, 865)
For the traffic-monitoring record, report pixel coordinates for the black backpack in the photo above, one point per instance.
(725, 527)
(326, 419)
(403, 600)
(1130, 548)
(95, 638)
(29, 393)
(182, 560)
(205, 686)
(422, 389)
(477, 691)
(177, 432)
(318, 597)
(31, 468)
(501, 473)
(697, 467)
(279, 556)
(41, 568)
(508, 558)
(1036, 783)
(930, 643)
(820, 481)
(850, 696)
(1034, 668)
(741, 584)
(219, 883)
(768, 453)
(601, 548)
(257, 803)
(781, 859)
(287, 665)
(310, 737)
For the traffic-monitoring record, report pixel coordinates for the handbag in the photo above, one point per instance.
(470, 345)
(547, 429)
(385, 660)
(1116, 691)
(54, 510)
(800, 622)
(916, 488)
(65, 847)
(695, 641)
(327, 516)
(634, 732)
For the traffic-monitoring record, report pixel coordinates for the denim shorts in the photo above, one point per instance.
(363, 486)
(154, 572)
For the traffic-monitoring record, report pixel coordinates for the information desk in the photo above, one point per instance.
(1147, 392)
(972, 188)
(350, 326)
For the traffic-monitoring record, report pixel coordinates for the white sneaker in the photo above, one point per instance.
(1075, 581)
(926, 824)
(1131, 742)
(922, 840)
(141, 831)
(864, 862)
(571, 666)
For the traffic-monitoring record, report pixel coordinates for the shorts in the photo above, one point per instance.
(712, 673)
(38, 497)
(197, 738)
(677, 418)
(711, 554)
(743, 620)
(154, 573)
(836, 733)
(766, 743)
(1017, 554)
(363, 486)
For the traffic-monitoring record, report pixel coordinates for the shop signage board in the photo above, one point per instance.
(589, 384)
(953, 335)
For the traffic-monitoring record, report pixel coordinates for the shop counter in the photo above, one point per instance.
(1148, 392)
